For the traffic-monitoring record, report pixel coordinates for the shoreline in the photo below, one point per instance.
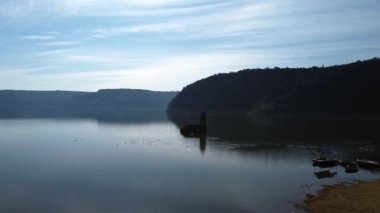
(360, 196)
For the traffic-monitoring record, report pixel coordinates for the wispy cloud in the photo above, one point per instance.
(60, 43)
(156, 75)
(107, 8)
(54, 52)
(235, 20)
(38, 37)
(270, 20)
(15, 72)
(166, 44)
(94, 56)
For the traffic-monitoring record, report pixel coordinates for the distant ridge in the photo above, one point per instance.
(342, 89)
(104, 98)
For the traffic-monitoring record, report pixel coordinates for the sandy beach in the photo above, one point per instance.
(355, 197)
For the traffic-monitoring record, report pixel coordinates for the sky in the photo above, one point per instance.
(164, 45)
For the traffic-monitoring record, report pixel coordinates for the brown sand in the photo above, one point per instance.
(356, 197)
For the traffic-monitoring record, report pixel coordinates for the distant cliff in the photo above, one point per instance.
(342, 89)
(108, 98)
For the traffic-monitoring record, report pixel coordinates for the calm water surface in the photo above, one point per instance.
(141, 165)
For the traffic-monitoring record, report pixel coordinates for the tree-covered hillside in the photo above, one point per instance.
(350, 88)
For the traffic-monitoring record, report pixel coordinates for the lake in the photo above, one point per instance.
(137, 161)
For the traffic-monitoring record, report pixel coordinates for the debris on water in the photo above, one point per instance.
(308, 185)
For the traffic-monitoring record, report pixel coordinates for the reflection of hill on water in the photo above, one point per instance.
(290, 131)
(110, 115)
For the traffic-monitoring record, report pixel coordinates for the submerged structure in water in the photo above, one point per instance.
(196, 129)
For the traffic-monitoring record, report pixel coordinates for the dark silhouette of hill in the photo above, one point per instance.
(36, 98)
(108, 98)
(342, 89)
(126, 98)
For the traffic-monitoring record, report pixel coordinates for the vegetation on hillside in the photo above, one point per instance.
(341, 89)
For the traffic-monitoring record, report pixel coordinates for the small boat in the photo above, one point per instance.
(326, 158)
(324, 162)
(345, 163)
(368, 164)
(352, 167)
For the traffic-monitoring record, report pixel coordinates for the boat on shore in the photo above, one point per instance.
(324, 162)
(345, 163)
(326, 158)
(352, 167)
(368, 164)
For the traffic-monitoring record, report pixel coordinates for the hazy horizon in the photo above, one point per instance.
(89, 91)
(164, 45)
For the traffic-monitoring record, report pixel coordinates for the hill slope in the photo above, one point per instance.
(350, 88)
(111, 98)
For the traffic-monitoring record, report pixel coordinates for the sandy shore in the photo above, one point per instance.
(356, 197)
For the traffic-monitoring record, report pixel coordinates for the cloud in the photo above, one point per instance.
(236, 19)
(166, 44)
(166, 73)
(222, 19)
(52, 53)
(14, 72)
(60, 43)
(161, 73)
(104, 8)
(94, 56)
(39, 37)
(264, 21)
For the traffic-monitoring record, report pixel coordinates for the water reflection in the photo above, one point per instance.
(202, 140)
(137, 161)
(202, 144)
(353, 137)
(104, 115)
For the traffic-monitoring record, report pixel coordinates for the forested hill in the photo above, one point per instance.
(349, 88)
(109, 98)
